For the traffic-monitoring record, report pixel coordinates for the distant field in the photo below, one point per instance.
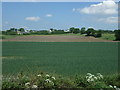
(56, 38)
(66, 58)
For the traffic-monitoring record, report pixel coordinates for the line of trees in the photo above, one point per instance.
(88, 32)
(95, 33)
(13, 31)
(83, 30)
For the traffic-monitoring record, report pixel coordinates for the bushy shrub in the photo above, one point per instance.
(58, 32)
(117, 34)
(98, 35)
(4, 32)
(11, 33)
(43, 32)
(26, 33)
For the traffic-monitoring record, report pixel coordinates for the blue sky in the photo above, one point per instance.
(59, 15)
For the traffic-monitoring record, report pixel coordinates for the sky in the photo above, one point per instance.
(54, 0)
(60, 15)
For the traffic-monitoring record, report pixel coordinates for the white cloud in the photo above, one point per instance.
(49, 15)
(54, 0)
(106, 7)
(32, 18)
(109, 20)
(73, 9)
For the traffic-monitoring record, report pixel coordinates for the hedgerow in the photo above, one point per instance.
(45, 80)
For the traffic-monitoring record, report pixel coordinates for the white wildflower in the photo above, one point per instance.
(53, 78)
(28, 83)
(111, 86)
(114, 87)
(100, 76)
(39, 75)
(48, 80)
(95, 78)
(34, 86)
(88, 80)
(89, 74)
(87, 77)
(47, 75)
(91, 79)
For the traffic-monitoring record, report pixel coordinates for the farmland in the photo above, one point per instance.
(56, 38)
(64, 58)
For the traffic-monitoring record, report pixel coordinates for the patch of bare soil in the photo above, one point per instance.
(11, 57)
(56, 38)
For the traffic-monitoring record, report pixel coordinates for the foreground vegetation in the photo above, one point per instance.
(45, 80)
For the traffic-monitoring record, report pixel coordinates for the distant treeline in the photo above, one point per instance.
(83, 30)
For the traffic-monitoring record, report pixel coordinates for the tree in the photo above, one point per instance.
(58, 32)
(22, 30)
(51, 29)
(72, 29)
(117, 34)
(15, 30)
(98, 34)
(43, 32)
(31, 31)
(12, 30)
(3, 32)
(90, 32)
(82, 30)
(76, 30)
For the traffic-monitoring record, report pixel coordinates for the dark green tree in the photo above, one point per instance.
(51, 29)
(98, 34)
(82, 30)
(90, 32)
(12, 29)
(72, 29)
(117, 34)
(22, 30)
(76, 30)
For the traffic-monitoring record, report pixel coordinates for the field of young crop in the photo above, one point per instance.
(64, 58)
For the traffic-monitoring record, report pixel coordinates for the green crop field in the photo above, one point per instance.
(65, 58)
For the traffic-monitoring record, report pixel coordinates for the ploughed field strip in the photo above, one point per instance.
(56, 38)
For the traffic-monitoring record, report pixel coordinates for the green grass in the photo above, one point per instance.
(108, 36)
(66, 58)
(7, 36)
(71, 34)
